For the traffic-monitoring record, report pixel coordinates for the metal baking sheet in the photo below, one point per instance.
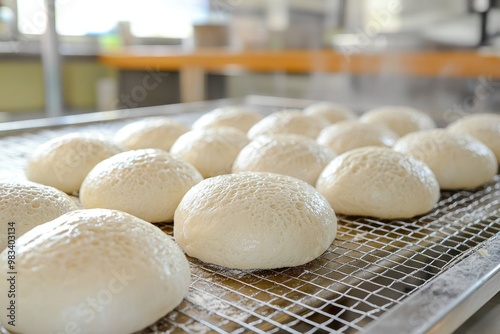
(376, 276)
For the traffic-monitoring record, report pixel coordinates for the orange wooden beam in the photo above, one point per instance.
(425, 63)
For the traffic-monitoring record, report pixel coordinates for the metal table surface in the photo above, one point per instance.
(421, 275)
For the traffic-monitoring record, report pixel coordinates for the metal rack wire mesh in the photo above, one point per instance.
(372, 266)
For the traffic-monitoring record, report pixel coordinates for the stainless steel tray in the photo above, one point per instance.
(426, 274)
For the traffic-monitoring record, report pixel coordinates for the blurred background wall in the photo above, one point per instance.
(91, 27)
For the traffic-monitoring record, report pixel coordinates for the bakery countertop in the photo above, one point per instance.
(465, 63)
(193, 65)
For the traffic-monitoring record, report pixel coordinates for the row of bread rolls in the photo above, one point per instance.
(379, 182)
(90, 267)
(107, 271)
(150, 183)
(266, 214)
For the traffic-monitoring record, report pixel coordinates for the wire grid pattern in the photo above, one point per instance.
(371, 266)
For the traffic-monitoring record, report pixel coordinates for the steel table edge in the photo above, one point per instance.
(16, 127)
(443, 304)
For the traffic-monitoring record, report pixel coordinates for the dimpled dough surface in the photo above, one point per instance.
(484, 126)
(151, 132)
(291, 155)
(401, 120)
(348, 135)
(378, 182)
(254, 221)
(212, 151)
(63, 162)
(458, 160)
(27, 205)
(148, 184)
(231, 116)
(94, 272)
(288, 122)
(331, 112)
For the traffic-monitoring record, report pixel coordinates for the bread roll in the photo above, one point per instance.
(347, 135)
(230, 116)
(401, 120)
(332, 112)
(26, 205)
(288, 122)
(457, 160)
(63, 162)
(378, 182)
(485, 127)
(148, 184)
(93, 271)
(292, 155)
(153, 132)
(212, 151)
(254, 221)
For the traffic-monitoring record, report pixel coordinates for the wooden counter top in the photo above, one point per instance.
(425, 63)
(193, 66)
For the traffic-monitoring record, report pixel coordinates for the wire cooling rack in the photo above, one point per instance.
(410, 275)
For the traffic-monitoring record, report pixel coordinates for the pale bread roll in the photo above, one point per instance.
(485, 127)
(26, 205)
(230, 116)
(288, 122)
(401, 120)
(332, 112)
(77, 202)
(63, 162)
(153, 132)
(292, 155)
(348, 135)
(212, 151)
(94, 271)
(378, 182)
(458, 161)
(254, 221)
(148, 184)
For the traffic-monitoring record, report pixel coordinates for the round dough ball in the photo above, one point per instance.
(458, 161)
(254, 221)
(333, 113)
(401, 120)
(231, 116)
(348, 135)
(63, 162)
(152, 132)
(378, 182)
(148, 184)
(94, 271)
(212, 151)
(27, 205)
(292, 155)
(485, 127)
(288, 122)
